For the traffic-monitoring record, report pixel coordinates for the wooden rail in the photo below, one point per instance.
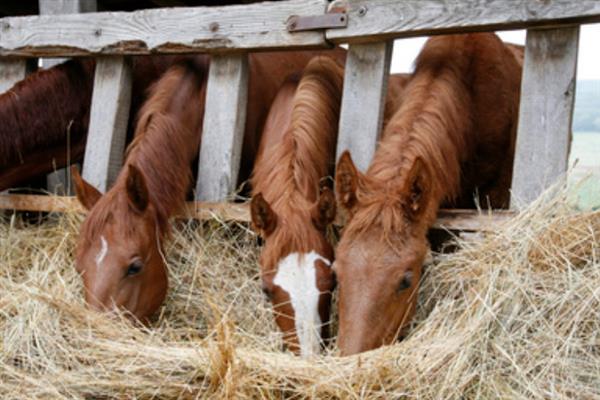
(461, 220)
(549, 75)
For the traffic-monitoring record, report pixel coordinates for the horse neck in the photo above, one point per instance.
(44, 108)
(167, 137)
(289, 171)
(433, 125)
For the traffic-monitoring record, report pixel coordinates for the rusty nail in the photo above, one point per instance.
(214, 26)
(362, 11)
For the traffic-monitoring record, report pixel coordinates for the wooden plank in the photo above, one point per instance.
(107, 130)
(58, 182)
(388, 19)
(175, 30)
(223, 127)
(12, 70)
(546, 110)
(365, 85)
(468, 220)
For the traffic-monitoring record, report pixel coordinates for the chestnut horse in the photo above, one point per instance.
(453, 133)
(44, 118)
(119, 250)
(296, 153)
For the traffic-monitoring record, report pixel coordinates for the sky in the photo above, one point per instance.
(588, 66)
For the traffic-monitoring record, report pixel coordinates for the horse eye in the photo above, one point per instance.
(267, 292)
(405, 282)
(134, 268)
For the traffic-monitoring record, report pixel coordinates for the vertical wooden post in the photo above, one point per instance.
(111, 100)
(546, 110)
(59, 181)
(363, 101)
(12, 70)
(223, 128)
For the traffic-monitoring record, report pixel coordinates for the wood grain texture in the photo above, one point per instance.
(467, 220)
(59, 181)
(387, 19)
(365, 85)
(174, 30)
(12, 70)
(546, 111)
(223, 127)
(107, 131)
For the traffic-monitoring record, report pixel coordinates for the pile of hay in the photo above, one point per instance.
(513, 315)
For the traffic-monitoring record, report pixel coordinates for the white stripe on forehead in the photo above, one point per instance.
(297, 275)
(103, 251)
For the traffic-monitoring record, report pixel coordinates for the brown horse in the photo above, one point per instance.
(453, 133)
(120, 245)
(296, 152)
(44, 118)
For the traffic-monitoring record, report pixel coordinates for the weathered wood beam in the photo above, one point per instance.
(169, 30)
(223, 127)
(546, 111)
(363, 100)
(469, 220)
(58, 182)
(111, 100)
(388, 19)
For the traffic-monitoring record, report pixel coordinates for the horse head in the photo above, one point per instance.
(295, 267)
(119, 252)
(380, 255)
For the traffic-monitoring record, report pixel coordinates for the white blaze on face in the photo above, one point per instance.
(296, 274)
(103, 251)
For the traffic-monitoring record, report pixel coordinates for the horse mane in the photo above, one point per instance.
(42, 109)
(288, 173)
(432, 125)
(165, 143)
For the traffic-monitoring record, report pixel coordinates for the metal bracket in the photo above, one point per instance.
(314, 22)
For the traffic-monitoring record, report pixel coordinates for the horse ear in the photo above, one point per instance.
(323, 212)
(417, 188)
(86, 193)
(346, 181)
(137, 191)
(264, 218)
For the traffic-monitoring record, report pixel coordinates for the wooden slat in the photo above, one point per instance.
(546, 110)
(58, 182)
(223, 127)
(111, 101)
(388, 19)
(11, 72)
(176, 30)
(365, 84)
(468, 220)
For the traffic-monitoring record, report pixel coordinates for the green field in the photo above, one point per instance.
(585, 154)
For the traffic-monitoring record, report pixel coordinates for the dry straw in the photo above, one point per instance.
(512, 315)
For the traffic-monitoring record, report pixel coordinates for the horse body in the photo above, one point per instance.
(296, 152)
(120, 245)
(453, 132)
(45, 117)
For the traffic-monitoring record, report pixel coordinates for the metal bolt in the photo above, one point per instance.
(362, 11)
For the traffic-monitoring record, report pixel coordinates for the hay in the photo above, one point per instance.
(513, 315)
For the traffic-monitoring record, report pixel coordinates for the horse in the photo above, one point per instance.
(45, 117)
(120, 246)
(295, 156)
(453, 133)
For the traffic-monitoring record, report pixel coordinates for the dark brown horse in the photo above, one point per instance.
(44, 118)
(120, 245)
(453, 134)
